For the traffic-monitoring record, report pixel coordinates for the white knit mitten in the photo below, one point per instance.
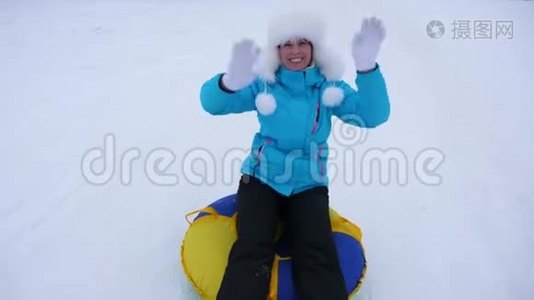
(366, 43)
(240, 72)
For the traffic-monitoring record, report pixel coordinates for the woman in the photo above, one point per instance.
(295, 86)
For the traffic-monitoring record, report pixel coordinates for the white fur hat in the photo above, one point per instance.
(298, 25)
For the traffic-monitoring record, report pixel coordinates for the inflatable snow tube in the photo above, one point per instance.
(207, 244)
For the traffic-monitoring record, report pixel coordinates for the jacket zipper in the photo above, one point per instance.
(316, 120)
(322, 166)
(260, 151)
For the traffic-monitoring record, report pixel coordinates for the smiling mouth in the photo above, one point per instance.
(295, 60)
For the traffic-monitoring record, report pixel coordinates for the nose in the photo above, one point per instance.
(295, 49)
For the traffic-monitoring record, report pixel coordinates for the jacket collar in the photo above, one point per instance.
(299, 79)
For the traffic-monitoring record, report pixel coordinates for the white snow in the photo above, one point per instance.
(74, 71)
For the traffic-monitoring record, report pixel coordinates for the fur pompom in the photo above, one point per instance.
(332, 96)
(265, 104)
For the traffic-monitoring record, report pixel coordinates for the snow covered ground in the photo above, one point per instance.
(74, 72)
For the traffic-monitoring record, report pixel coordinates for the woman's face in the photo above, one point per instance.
(295, 54)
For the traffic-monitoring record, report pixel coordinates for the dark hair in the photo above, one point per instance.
(304, 40)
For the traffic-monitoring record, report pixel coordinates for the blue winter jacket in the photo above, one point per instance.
(290, 151)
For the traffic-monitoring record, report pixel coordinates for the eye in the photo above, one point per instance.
(303, 42)
(287, 44)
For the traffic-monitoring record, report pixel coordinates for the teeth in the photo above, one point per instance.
(295, 60)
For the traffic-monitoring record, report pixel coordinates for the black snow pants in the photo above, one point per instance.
(316, 270)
